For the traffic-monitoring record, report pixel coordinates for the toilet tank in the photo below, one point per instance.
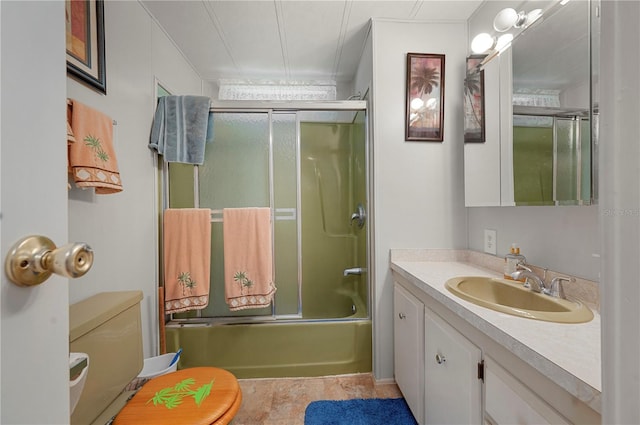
(107, 327)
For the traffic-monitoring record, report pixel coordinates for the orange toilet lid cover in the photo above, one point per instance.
(199, 395)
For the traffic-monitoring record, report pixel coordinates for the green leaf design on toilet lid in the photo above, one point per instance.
(172, 397)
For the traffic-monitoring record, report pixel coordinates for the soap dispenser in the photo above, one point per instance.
(511, 261)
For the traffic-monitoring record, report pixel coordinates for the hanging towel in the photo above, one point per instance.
(181, 127)
(187, 257)
(70, 137)
(248, 258)
(92, 158)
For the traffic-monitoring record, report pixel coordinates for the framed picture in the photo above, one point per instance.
(425, 97)
(85, 42)
(474, 101)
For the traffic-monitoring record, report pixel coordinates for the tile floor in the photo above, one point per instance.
(282, 401)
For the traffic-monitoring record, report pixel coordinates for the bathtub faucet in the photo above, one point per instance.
(354, 270)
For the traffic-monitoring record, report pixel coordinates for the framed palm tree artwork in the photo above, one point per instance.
(425, 97)
(85, 42)
(474, 101)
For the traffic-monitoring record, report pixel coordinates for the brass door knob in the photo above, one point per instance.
(33, 259)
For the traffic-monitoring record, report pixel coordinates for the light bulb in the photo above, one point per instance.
(416, 103)
(505, 19)
(482, 42)
(533, 16)
(503, 41)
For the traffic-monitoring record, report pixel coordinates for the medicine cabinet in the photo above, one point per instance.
(540, 106)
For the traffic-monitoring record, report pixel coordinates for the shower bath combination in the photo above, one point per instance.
(310, 166)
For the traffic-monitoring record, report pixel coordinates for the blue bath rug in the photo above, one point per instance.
(372, 411)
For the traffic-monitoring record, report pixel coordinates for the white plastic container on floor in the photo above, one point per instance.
(157, 366)
(154, 367)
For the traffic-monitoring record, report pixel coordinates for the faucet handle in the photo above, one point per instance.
(522, 266)
(556, 289)
(359, 216)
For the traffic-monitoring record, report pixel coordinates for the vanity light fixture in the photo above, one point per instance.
(504, 41)
(484, 42)
(505, 20)
(508, 18)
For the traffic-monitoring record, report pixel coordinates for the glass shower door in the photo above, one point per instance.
(286, 225)
(235, 174)
(572, 161)
(252, 163)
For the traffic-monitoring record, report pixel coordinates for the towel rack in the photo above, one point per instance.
(280, 214)
(70, 103)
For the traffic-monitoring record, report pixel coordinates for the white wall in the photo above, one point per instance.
(418, 185)
(563, 239)
(122, 228)
(364, 74)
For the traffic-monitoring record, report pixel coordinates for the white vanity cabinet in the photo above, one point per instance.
(508, 401)
(408, 328)
(436, 368)
(453, 389)
(449, 374)
(522, 381)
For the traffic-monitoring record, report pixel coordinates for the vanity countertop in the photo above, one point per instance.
(567, 354)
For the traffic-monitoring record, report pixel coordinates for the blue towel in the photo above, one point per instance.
(181, 127)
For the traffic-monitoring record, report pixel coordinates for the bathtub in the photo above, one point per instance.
(280, 348)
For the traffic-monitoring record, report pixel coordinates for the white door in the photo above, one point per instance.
(453, 392)
(34, 322)
(408, 351)
(508, 401)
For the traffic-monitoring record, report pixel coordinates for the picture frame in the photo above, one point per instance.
(474, 110)
(85, 42)
(424, 113)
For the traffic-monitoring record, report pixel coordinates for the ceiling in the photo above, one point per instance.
(286, 40)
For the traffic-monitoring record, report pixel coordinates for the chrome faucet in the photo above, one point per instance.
(535, 283)
(354, 271)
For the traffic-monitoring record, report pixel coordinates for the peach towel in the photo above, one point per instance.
(187, 259)
(248, 258)
(92, 159)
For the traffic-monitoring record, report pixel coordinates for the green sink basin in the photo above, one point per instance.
(513, 298)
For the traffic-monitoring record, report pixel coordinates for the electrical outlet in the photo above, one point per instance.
(490, 241)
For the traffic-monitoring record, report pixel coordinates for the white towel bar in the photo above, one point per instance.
(280, 214)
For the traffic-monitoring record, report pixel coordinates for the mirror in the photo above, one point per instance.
(538, 103)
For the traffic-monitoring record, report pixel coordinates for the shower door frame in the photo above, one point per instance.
(270, 108)
(576, 128)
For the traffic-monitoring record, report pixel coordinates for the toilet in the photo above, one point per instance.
(107, 327)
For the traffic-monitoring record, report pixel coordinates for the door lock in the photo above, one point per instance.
(33, 259)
